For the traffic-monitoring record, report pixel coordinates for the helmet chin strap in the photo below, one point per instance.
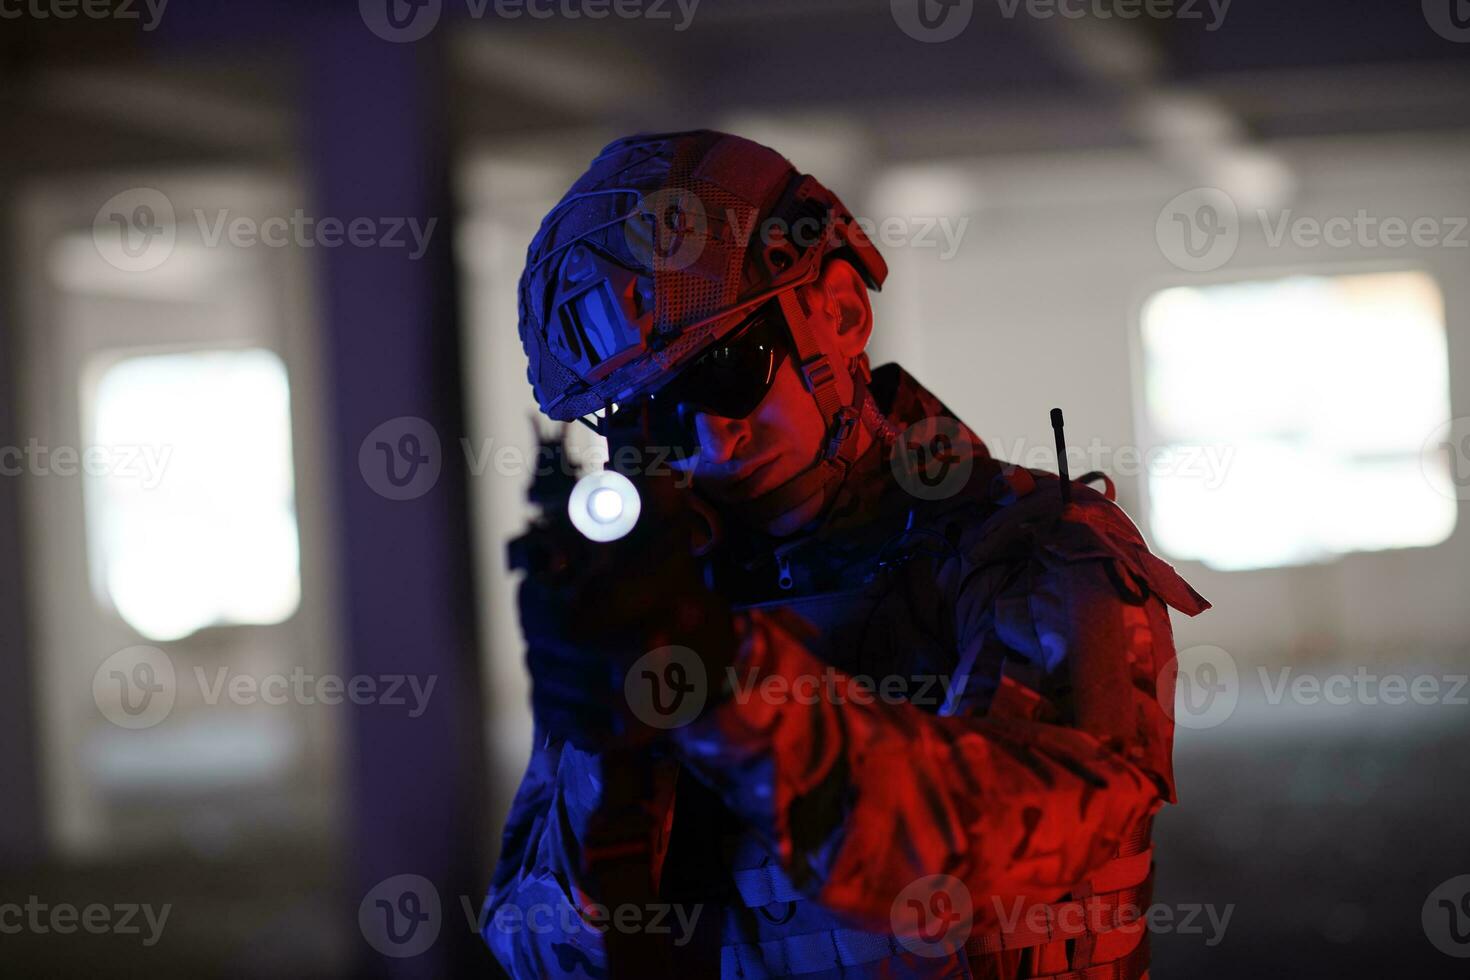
(840, 444)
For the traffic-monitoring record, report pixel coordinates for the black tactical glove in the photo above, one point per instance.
(587, 626)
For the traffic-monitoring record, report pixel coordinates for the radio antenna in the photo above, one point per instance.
(1056, 428)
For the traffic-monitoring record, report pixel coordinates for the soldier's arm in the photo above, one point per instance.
(861, 799)
(530, 919)
(538, 854)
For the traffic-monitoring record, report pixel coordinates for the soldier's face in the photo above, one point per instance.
(738, 460)
(741, 459)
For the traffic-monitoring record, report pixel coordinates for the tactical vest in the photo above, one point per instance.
(879, 611)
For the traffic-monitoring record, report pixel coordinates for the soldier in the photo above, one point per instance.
(924, 731)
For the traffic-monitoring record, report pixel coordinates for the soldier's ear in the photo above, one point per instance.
(844, 295)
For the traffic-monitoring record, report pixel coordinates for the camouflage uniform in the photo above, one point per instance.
(808, 830)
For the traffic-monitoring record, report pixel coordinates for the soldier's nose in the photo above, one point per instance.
(719, 438)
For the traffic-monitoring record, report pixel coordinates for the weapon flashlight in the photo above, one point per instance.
(604, 505)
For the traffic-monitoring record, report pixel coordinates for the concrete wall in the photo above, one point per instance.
(1039, 307)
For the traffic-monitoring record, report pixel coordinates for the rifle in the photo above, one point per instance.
(587, 531)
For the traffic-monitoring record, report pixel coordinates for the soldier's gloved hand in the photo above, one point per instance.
(572, 678)
(583, 634)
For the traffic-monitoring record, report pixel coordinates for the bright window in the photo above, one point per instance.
(191, 495)
(1318, 394)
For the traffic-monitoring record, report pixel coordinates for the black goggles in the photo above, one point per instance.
(734, 376)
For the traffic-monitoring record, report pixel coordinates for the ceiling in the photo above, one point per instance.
(221, 80)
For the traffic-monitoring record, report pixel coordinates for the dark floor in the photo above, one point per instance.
(1320, 832)
(1327, 828)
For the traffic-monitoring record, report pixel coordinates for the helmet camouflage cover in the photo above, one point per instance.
(663, 246)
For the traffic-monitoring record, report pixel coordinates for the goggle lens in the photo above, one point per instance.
(733, 377)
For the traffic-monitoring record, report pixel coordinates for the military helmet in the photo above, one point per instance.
(659, 250)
